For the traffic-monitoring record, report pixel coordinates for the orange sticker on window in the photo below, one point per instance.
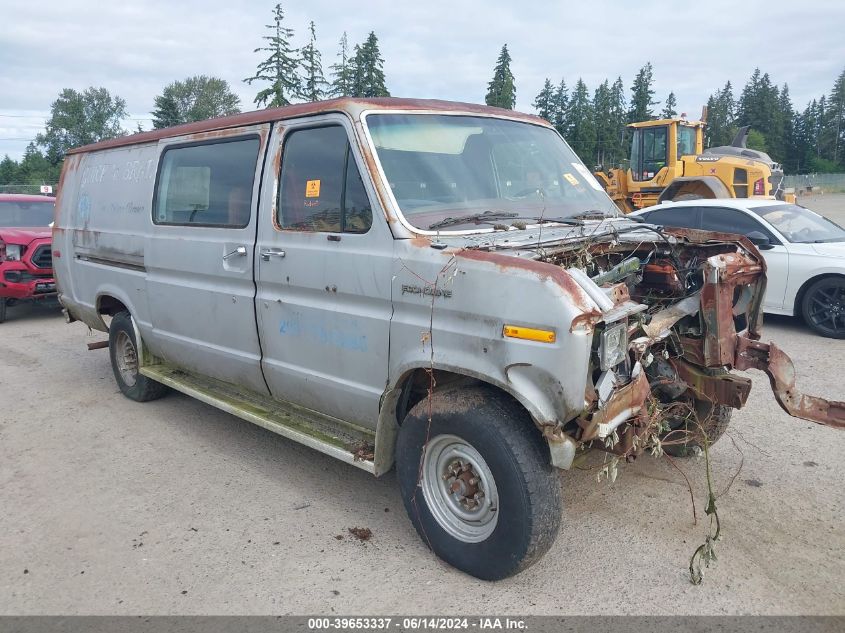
(312, 189)
(571, 179)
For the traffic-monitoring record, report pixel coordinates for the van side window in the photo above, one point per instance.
(321, 187)
(208, 184)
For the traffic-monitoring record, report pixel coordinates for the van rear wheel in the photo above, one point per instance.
(477, 482)
(123, 350)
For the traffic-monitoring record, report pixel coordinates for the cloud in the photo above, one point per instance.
(438, 48)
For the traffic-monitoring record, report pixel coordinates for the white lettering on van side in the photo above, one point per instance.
(94, 174)
(138, 170)
(133, 170)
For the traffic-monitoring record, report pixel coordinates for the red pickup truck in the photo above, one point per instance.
(26, 256)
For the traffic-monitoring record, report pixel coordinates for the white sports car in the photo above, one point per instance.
(804, 252)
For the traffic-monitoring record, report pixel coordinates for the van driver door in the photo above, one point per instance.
(324, 258)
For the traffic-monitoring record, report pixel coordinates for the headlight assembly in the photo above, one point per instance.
(13, 252)
(613, 345)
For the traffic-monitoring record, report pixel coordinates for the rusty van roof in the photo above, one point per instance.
(351, 105)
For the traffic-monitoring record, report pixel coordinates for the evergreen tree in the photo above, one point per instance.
(166, 113)
(280, 68)
(580, 126)
(809, 133)
(720, 117)
(559, 107)
(787, 116)
(8, 172)
(79, 118)
(820, 123)
(836, 119)
(501, 91)
(194, 99)
(642, 92)
(605, 131)
(313, 82)
(759, 107)
(669, 111)
(342, 71)
(34, 169)
(617, 150)
(368, 69)
(545, 101)
(803, 139)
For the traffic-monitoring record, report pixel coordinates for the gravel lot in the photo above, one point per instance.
(114, 507)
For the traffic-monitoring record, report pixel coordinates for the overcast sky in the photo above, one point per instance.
(432, 48)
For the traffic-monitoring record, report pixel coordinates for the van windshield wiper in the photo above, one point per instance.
(593, 214)
(486, 216)
(566, 220)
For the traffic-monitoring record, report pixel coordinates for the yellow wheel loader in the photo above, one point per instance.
(669, 162)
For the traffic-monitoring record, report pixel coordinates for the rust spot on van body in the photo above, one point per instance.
(625, 405)
(586, 321)
(541, 270)
(770, 359)
(421, 241)
(70, 165)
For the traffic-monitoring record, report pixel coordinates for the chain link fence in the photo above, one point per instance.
(816, 183)
(47, 189)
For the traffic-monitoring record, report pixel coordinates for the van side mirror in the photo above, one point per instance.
(760, 240)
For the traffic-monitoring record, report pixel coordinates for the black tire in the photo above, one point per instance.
(122, 344)
(823, 307)
(686, 437)
(687, 196)
(2, 309)
(527, 487)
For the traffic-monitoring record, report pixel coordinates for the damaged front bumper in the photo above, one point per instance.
(714, 330)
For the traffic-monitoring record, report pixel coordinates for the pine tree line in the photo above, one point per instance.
(811, 140)
(804, 141)
(808, 141)
(297, 74)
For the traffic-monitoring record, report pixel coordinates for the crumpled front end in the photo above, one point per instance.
(677, 315)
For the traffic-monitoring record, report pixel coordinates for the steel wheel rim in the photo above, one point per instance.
(827, 306)
(453, 473)
(126, 358)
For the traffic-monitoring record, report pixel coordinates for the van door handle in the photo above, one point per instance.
(267, 253)
(240, 251)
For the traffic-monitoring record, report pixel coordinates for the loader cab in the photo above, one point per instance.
(658, 145)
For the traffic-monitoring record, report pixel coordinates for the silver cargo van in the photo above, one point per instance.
(440, 286)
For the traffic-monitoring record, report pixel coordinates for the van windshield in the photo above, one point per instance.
(442, 168)
(25, 214)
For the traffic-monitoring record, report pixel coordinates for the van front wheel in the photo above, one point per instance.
(123, 350)
(477, 482)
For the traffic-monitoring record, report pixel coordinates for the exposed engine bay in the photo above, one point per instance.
(680, 309)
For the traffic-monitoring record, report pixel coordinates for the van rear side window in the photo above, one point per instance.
(208, 184)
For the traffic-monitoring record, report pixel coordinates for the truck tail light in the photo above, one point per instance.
(759, 187)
